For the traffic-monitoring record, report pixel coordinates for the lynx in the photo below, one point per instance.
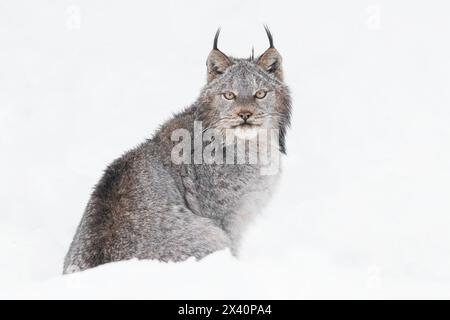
(147, 206)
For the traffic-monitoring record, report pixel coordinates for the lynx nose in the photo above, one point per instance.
(245, 115)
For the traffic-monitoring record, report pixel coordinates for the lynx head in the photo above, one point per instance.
(245, 94)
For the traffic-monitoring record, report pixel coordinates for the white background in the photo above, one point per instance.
(363, 208)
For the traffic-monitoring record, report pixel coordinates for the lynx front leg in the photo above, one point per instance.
(184, 235)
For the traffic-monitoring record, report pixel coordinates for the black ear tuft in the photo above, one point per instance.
(269, 35)
(216, 39)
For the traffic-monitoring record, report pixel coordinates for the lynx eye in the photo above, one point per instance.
(229, 95)
(260, 94)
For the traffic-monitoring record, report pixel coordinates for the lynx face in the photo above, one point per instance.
(244, 98)
(245, 95)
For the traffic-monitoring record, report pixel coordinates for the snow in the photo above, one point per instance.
(362, 210)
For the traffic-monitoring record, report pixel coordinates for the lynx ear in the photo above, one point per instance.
(270, 60)
(217, 61)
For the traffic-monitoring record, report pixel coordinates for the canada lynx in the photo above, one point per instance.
(148, 206)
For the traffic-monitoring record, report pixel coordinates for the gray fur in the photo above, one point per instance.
(147, 207)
